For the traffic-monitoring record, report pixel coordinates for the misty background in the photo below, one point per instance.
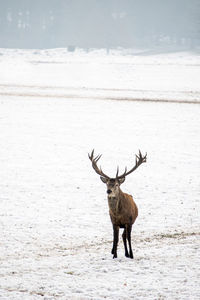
(99, 23)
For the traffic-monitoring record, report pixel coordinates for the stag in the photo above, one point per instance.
(122, 208)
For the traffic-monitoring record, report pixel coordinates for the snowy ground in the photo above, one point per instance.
(56, 235)
(50, 73)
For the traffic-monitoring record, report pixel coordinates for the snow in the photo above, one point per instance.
(56, 72)
(56, 235)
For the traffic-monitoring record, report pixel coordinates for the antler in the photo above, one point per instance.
(94, 161)
(138, 161)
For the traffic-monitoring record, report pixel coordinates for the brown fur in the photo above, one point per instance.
(124, 211)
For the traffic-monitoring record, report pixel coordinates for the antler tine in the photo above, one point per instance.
(94, 161)
(97, 158)
(145, 157)
(91, 155)
(123, 175)
(138, 161)
(117, 171)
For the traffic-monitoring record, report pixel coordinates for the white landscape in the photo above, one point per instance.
(56, 234)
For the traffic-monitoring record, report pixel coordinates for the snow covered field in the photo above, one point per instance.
(50, 73)
(56, 235)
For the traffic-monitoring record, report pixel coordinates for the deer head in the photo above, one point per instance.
(113, 184)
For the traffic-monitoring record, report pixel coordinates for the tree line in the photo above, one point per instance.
(99, 23)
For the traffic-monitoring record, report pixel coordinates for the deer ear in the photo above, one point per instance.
(121, 180)
(103, 179)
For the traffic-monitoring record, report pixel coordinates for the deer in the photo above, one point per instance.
(123, 210)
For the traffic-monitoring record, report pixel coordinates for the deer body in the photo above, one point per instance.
(122, 208)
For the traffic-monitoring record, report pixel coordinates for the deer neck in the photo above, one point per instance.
(113, 202)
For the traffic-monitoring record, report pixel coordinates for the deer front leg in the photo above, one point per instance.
(125, 243)
(115, 240)
(128, 234)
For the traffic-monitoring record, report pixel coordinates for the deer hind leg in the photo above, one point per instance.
(115, 240)
(128, 235)
(125, 243)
